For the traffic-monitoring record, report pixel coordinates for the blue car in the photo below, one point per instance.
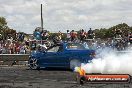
(64, 55)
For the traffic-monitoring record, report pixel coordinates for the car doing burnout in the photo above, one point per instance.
(65, 55)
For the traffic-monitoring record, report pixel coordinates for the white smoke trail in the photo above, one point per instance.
(109, 61)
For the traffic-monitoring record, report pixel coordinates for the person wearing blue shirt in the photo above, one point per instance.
(37, 35)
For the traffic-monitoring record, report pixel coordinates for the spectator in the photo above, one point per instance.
(130, 38)
(73, 35)
(90, 34)
(21, 37)
(56, 40)
(27, 43)
(4, 50)
(11, 48)
(33, 45)
(37, 35)
(22, 49)
(82, 35)
(45, 35)
(60, 35)
(118, 33)
(68, 36)
(1, 37)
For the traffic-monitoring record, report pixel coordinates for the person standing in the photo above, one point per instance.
(82, 35)
(68, 36)
(118, 33)
(60, 35)
(37, 35)
(130, 38)
(45, 35)
(73, 35)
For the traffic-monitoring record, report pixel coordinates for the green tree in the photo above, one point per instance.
(3, 23)
(5, 30)
(110, 32)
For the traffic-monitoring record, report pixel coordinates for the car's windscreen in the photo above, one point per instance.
(75, 46)
(53, 49)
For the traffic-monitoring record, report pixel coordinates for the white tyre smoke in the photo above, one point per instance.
(110, 62)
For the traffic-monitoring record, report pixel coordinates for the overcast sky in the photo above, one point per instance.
(60, 15)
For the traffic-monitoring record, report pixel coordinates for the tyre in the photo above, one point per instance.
(33, 64)
(81, 80)
(74, 63)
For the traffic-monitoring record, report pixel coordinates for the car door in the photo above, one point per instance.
(62, 57)
(55, 57)
(49, 58)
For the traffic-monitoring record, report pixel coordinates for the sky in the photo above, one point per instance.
(62, 15)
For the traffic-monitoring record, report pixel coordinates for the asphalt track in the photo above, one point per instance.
(22, 77)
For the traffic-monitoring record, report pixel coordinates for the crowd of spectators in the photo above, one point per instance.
(81, 35)
(120, 40)
(20, 45)
(14, 46)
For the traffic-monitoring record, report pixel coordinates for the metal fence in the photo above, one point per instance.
(14, 59)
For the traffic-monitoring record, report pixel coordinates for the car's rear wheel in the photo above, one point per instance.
(33, 64)
(74, 63)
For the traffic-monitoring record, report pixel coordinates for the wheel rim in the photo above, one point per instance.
(33, 63)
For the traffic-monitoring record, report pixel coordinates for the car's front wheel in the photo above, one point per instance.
(33, 64)
(74, 63)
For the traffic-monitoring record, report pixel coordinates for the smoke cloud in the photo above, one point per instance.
(109, 61)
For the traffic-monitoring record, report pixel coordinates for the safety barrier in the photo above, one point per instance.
(13, 59)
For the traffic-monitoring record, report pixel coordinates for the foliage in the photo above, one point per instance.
(3, 23)
(109, 33)
(5, 31)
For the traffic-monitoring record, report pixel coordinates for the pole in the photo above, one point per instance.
(41, 20)
(41, 17)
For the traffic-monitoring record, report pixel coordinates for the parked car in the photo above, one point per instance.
(64, 55)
